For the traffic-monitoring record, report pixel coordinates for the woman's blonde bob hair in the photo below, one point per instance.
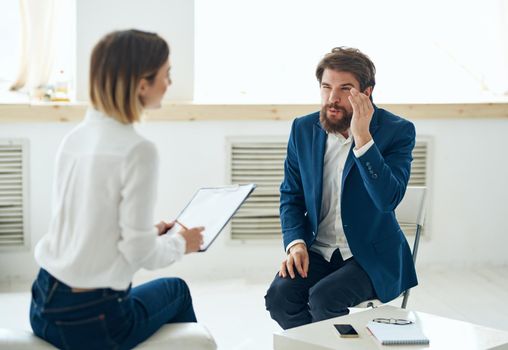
(119, 61)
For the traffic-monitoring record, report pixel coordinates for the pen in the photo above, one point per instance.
(183, 226)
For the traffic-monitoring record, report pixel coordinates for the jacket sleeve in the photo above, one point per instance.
(386, 175)
(292, 200)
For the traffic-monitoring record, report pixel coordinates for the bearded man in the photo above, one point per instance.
(346, 170)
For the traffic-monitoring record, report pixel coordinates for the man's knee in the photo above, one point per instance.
(319, 299)
(286, 303)
(324, 304)
(275, 294)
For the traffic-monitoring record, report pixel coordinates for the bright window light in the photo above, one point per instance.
(261, 51)
(9, 51)
(61, 48)
(10, 39)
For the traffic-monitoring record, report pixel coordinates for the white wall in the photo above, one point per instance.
(469, 192)
(172, 19)
(468, 206)
(44, 139)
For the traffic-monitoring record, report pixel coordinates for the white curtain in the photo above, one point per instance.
(37, 44)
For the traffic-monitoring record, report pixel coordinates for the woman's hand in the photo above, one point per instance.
(193, 238)
(163, 227)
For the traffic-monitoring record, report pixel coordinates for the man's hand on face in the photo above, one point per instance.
(362, 115)
(298, 258)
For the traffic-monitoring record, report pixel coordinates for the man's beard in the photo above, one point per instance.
(335, 126)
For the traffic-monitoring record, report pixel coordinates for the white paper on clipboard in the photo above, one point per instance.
(212, 207)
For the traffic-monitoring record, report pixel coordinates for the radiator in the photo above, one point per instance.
(261, 160)
(13, 193)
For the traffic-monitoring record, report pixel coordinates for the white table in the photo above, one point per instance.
(443, 333)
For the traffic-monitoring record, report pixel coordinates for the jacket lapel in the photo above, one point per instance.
(318, 154)
(347, 167)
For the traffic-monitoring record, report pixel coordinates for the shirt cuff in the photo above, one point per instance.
(179, 244)
(296, 241)
(362, 150)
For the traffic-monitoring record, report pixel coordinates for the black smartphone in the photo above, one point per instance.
(346, 330)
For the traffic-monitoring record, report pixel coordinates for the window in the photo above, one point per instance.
(10, 39)
(261, 51)
(38, 47)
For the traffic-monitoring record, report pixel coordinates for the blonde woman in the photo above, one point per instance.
(102, 228)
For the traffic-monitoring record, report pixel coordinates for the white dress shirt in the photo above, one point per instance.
(102, 228)
(330, 234)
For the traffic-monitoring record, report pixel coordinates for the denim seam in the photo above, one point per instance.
(74, 307)
(51, 292)
(109, 337)
(45, 329)
(39, 288)
(62, 338)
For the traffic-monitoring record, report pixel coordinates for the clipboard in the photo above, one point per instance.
(212, 207)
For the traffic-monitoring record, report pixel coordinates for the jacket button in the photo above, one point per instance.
(374, 176)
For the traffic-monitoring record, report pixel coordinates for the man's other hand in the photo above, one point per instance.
(298, 258)
(363, 110)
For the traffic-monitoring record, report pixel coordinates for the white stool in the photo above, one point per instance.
(191, 336)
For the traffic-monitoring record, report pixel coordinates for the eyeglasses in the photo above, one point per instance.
(397, 321)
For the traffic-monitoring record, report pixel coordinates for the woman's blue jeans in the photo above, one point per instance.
(106, 318)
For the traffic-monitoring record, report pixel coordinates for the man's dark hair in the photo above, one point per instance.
(347, 59)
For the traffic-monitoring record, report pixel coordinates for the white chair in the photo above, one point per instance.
(176, 336)
(411, 211)
(192, 336)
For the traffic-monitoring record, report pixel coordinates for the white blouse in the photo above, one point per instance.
(102, 228)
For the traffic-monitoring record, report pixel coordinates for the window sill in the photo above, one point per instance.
(74, 112)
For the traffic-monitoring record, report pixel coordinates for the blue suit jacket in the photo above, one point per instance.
(372, 187)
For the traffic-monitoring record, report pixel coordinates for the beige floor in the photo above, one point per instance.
(233, 309)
